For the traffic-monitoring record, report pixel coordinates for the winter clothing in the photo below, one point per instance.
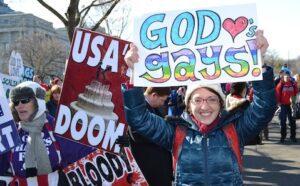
(52, 107)
(232, 101)
(45, 163)
(149, 155)
(28, 89)
(205, 159)
(41, 152)
(285, 91)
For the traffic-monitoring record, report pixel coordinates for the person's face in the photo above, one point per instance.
(25, 108)
(56, 96)
(158, 101)
(204, 105)
(286, 78)
(36, 79)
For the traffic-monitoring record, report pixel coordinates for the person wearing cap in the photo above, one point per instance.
(205, 156)
(285, 90)
(41, 154)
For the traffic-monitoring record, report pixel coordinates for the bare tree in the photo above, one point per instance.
(75, 17)
(272, 58)
(115, 23)
(46, 54)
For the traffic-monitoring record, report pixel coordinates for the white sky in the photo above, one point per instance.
(278, 18)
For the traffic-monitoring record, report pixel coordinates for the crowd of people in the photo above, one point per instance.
(188, 135)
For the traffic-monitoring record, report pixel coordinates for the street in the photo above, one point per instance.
(273, 163)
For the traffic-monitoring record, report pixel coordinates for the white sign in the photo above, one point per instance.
(16, 67)
(211, 45)
(9, 137)
(9, 82)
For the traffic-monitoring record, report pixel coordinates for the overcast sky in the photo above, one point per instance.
(278, 18)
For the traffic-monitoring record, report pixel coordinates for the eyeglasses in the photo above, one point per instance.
(210, 101)
(23, 101)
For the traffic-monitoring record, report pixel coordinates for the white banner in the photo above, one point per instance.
(9, 137)
(9, 82)
(211, 45)
(16, 67)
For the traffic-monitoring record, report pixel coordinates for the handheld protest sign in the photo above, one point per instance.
(104, 168)
(91, 109)
(211, 45)
(9, 82)
(9, 137)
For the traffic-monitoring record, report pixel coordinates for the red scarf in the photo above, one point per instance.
(237, 96)
(205, 128)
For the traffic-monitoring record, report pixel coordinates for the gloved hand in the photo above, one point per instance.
(123, 141)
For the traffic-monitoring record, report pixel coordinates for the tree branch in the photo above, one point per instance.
(105, 15)
(44, 4)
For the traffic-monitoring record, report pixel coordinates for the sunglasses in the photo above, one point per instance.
(23, 101)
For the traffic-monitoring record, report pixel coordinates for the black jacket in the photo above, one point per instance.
(154, 161)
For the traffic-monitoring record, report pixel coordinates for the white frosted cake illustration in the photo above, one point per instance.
(96, 100)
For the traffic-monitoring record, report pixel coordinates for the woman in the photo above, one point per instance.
(54, 98)
(205, 156)
(41, 154)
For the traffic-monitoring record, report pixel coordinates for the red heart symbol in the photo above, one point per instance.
(235, 27)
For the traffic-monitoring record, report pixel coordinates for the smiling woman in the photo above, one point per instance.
(207, 140)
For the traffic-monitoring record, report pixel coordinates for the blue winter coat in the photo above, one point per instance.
(205, 159)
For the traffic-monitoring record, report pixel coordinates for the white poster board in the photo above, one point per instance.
(9, 82)
(9, 137)
(211, 45)
(16, 67)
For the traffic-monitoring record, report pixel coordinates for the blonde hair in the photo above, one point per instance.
(297, 78)
(55, 89)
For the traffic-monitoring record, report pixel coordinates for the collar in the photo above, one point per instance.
(206, 128)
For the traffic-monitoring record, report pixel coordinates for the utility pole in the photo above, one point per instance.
(288, 58)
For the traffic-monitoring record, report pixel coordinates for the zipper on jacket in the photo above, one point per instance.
(205, 141)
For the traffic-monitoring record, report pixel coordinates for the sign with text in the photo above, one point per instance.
(91, 106)
(16, 67)
(9, 82)
(9, 137)
(28, 73)
(211, 45)
(104, 168)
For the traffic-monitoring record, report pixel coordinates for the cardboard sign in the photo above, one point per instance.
(9, 82)
(91, 107)
(211, 45)
(104, 168)
(16, 67)
(9, 137)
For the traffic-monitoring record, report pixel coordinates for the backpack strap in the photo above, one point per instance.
(180, 134)
(233, 140)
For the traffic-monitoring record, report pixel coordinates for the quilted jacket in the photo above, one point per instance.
(205, 159)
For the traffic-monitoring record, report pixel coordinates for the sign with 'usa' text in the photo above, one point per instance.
(211, 45)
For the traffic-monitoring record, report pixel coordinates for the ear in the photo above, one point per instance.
(154, 94)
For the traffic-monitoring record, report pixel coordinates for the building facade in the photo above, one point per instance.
(15, 25)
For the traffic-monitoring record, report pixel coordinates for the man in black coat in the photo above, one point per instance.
(154, 161)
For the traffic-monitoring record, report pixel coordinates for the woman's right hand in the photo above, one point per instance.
(132, 56)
